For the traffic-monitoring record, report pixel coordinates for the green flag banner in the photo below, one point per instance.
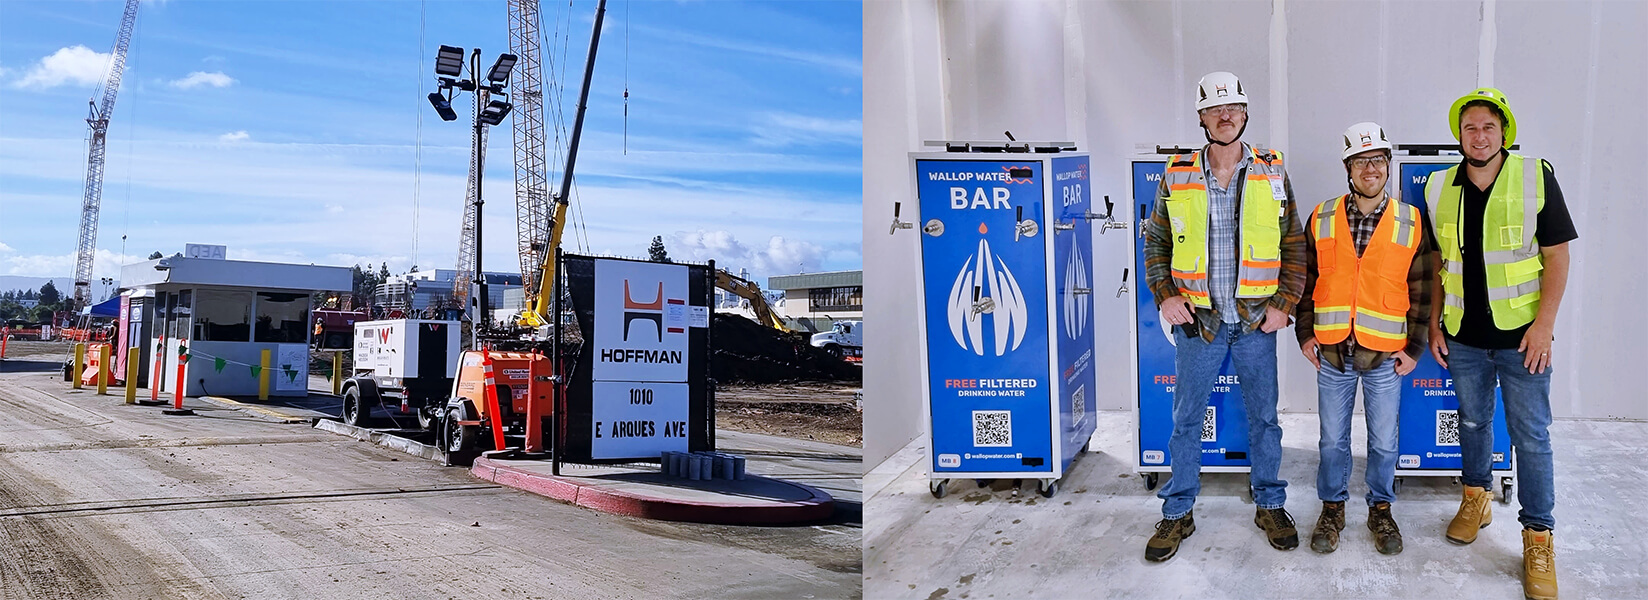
(256, 370)
(218, 364)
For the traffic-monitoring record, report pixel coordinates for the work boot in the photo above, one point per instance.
(1474, 514)
(1328, 526)
(1387, 538)
(1278, 526)
(1538, 565)
(1169, 532)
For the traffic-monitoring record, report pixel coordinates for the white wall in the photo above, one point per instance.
(1113, 76)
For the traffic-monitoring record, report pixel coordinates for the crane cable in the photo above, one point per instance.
(131, 136)
(417, 149)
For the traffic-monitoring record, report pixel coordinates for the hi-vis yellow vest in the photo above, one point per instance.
(1259, 235)
(1510, 256)
(1369, 293)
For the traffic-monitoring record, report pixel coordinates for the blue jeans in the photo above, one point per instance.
(1527, 417)
(1197, 364)
(1336, 400)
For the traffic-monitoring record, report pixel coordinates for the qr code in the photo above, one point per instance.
(1447, 428)
(1209, 434)
(1078, 406)
(992, 428)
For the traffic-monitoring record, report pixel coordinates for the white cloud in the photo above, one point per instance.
(234, 136)
(105, 263)
(785, 129)
(780, 256)
(246, 195)
(74, 65)
(200, 78)
(4, 247)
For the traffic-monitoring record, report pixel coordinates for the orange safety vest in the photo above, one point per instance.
(1370, 293)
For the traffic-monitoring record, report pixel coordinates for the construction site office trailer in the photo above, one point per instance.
(226, 313)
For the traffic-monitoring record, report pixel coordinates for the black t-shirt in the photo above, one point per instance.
(1553, 227)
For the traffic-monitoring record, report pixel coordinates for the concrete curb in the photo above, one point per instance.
(817, 507)
(255, 411)
(385, 439)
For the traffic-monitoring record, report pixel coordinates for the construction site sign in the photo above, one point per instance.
(641, 320)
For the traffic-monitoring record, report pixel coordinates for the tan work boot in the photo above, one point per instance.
(1538, 565)
(1474, 514)
(1169, 534)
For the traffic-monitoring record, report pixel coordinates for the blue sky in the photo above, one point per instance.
(289, 131)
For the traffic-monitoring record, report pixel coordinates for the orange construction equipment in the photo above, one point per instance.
(499, 394)
(95, 368)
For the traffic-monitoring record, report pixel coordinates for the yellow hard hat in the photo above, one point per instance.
(1492, 95)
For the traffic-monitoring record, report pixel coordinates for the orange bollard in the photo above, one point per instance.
(4, 339)
(155, 375)
(177, 402)
(492, 408)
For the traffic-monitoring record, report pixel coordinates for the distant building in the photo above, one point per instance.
(419, 290)
(835, 295)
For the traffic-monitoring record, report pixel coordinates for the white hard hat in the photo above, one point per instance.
(1363, 137)
(1219, 88)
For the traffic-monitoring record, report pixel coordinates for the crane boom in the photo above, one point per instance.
(531, 176)
(97, 121)
(535, 315)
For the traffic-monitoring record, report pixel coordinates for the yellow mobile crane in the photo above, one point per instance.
(539, 285)
(539, 239)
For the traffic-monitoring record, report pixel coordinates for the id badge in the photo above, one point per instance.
(1276, 189)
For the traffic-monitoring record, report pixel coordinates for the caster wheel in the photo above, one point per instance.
(939, 488)
(1049, 488)
(1396, 486)
(1150, 481)
(984, 484)
(1505, 493)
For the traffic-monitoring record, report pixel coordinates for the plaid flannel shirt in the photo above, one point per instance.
(1158, 261)
(1420, 273)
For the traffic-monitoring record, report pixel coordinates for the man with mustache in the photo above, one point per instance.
(1502, 228)
(1225, 259)
(1364, 317)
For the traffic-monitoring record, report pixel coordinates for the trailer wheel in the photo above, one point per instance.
(354, 411)
(428, 419)
(833, 350)
(459, 438)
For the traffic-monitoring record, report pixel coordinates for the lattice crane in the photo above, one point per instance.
(97, 122)
(531, 177)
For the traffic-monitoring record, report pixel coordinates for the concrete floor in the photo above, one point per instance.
(103, 500)
(1088, 541)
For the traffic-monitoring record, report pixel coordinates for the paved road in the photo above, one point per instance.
(103, 500)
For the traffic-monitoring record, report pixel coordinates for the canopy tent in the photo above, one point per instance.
(108, 308)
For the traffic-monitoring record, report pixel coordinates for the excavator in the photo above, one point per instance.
(748, 290)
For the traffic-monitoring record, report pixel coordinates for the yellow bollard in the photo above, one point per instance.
(133, 355)
(337, 373)
(79, 362)
(263, 376)
(103, 369)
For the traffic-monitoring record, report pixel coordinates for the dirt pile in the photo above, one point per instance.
(747, 352)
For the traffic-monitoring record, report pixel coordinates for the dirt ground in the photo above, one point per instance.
(37, 350)
(821, 411)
